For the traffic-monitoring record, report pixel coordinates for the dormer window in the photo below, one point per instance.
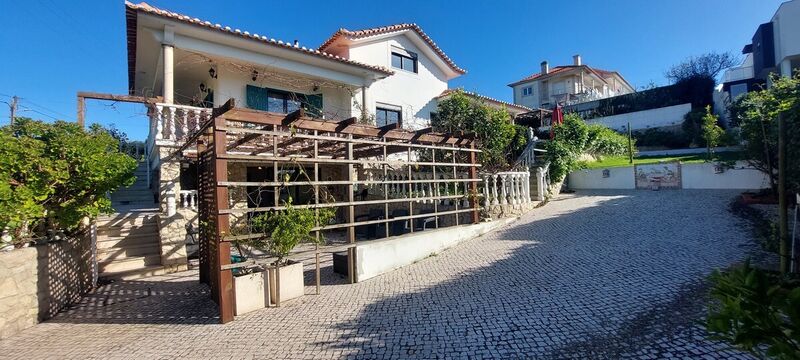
(404, 60)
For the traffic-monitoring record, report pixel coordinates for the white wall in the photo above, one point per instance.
(640, 120)
(786, 27)
(384, 255)
(619, 178)
(230, 83)
(702, 176)
(693, 176)
(414, 92)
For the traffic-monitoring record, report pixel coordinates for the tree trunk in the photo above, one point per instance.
(783, 205)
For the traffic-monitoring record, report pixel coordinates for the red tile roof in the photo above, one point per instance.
(146, 8)
(356, 34)
(486, 98)
(562, 68)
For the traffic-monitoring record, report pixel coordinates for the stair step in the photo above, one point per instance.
(127, 219)
(104, 242)
(129, 251)
(123, 231)
(151, 270)
(130, 263)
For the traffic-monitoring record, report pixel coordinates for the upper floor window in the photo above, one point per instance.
(404, 60)
(527, 91)
(385, 116)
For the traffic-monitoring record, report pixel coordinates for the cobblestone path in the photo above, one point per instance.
(590, 275)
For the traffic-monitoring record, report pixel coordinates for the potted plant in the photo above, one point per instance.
(283, 231)
(251, 288)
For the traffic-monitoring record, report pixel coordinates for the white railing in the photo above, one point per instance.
(507, 188)
(422, 186)
(737, 73)
(188, 199)
(170, 123)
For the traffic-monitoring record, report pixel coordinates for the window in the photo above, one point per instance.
(385, 117)
(527, 91)
(404, 60)
(285, 102)
(738, 90)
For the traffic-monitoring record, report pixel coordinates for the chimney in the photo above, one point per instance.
(545, 67)
(576, 60)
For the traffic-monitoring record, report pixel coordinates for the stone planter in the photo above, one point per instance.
(291, 284)
(251, 292)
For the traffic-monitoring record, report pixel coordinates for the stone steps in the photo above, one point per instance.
(127, 263)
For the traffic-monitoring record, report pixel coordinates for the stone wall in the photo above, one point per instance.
(38, 282)
(171, 227)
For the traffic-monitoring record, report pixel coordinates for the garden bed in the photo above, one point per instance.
(621, 161)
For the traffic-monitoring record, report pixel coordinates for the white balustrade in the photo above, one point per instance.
(506, 188)
(175, 123)
(188, 199)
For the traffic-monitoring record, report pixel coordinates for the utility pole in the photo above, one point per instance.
(13, 106)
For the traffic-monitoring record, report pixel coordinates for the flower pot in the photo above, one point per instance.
(251, 292)
(291, 282)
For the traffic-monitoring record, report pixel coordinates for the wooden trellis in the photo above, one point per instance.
(406, 168)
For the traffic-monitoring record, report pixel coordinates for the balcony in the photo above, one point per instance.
(737, 73)
(172, 124)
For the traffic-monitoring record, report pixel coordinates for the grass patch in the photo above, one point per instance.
(620, 161)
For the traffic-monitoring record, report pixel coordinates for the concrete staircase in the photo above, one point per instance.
(128, 244)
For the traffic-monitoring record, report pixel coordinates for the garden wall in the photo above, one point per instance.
(38, 282)
(647, 119)
(693, 176)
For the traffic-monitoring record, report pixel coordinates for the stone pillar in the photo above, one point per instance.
(172, 221)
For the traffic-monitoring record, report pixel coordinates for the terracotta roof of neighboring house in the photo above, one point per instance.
(486, 98)
(563, 68)
(356, 34)
(131, 9)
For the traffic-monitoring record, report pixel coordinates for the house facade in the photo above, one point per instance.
(775, 48)
(568, 85)
(388, 76)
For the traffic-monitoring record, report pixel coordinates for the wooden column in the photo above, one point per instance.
(203, 167)
(224, 295)
(473, 186)
(351, 216)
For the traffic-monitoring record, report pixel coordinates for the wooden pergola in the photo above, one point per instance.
(403, 162)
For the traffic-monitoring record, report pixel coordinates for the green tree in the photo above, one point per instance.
(756, 113)
(498, 137)
(712, 133)
(52, 175)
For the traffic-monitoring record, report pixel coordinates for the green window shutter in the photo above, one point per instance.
(313, 105)
(256, 98)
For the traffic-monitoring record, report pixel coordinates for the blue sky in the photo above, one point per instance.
(50, 49)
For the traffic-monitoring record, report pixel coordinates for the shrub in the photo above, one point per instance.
(52, 175)
(605, 141)
(662, 138)
(756, 311)
(573, 138)
(712, 133)
(499, 139)
(284, 230)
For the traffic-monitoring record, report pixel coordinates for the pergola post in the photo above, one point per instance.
(222, 250)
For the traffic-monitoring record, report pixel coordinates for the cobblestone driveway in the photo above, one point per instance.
(593, 275)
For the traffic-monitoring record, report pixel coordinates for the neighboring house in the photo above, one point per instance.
(568, 85)
(775, 48)
(384, 76)
(513, 109)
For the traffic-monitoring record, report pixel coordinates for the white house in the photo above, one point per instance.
(187, 66)
(568, 85)
(775, 48)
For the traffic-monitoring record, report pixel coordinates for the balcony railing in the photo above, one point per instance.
(738, 73)
(170, 124)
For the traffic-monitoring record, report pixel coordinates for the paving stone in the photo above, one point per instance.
(590, 275)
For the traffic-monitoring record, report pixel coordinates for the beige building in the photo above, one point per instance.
(568, 85)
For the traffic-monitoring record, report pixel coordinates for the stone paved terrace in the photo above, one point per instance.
(591, 275)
